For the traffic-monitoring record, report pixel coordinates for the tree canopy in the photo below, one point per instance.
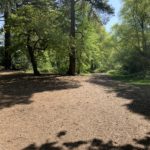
(69, 37)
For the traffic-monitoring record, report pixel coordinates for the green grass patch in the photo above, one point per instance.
(135, 79)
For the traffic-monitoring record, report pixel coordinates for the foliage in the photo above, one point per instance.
(133, 79)
(41, 38)
(132, 37)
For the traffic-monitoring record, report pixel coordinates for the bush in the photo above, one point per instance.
(19, 60)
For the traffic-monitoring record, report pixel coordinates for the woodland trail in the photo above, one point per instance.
(52, 112)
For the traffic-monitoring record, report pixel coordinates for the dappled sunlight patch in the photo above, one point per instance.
(138, 95)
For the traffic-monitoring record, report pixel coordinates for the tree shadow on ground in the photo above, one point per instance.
(18, 88)
(93, 144)
(139, 95)
(145, 141)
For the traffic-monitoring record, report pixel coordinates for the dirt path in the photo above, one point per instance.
(72, 113)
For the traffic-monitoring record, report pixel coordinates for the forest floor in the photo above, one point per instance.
(92, 112)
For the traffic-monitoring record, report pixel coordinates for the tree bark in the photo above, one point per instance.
(32, 58)
(7, 57)
(143, 36)
(72, 55)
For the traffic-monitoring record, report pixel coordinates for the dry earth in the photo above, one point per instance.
(72, 113)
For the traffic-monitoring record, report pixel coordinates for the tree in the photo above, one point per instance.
(97, 4)
(6, 6)
(132, 36)
(67, 33)
(30, 24)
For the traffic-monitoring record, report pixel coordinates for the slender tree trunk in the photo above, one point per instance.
(143, 37)
(32, 58)
(7, 57)
(72, 55)
(92, 66)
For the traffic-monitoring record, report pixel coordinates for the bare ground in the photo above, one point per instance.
(72, 113)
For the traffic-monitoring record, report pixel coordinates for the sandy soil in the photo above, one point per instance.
(72, 113)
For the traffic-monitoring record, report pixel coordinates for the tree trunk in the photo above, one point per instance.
(72, 55)
(92, 68)
(143, 36)
(32, 58)
(7, 57)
